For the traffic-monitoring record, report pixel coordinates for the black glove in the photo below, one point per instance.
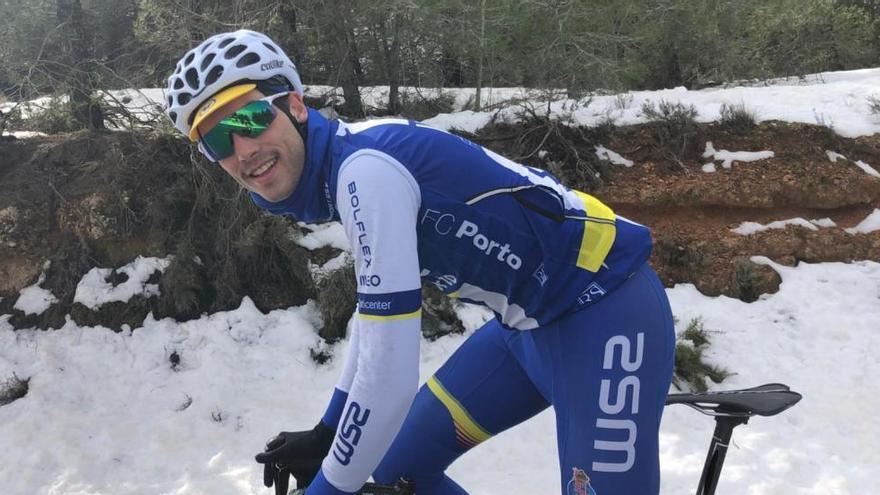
(297, 453)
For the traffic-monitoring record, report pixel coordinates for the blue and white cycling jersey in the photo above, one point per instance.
(418, 202)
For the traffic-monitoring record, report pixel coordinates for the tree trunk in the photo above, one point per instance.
(479, 97)
(77, 47)
(391, 58)
(349, 74)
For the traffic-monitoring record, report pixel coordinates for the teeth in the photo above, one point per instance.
(264, 167)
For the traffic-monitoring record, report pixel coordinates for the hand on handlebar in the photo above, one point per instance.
(298, 453)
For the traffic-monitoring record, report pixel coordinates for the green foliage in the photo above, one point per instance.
(680, 255)
(421, 108)
(690, 369)
(674, 129)
(52, 117)
(738, 119)
(795, 38)
(577, 47)
(750, 280)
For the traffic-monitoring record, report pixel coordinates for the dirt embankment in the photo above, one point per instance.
(85, 200)
(692, 212)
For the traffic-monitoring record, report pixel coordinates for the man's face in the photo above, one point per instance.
(269, 164)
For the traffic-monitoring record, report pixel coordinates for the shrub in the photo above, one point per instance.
(674, 253)
(737, 118)
(874, 104)
(674, 130)
(421, 107)
(52, 117)
(690, 369)
(622, 101)
(13, 389)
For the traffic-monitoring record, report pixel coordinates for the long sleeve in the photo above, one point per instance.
(340, 394)
(378, 203)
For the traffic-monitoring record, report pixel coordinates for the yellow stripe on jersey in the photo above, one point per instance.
(467, 430)
(406, 316)
(599, 233)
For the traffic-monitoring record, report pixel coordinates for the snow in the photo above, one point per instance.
(93, 290)
(868, 169)
(749, 228)
(122, 420)
(824, 223)
(144, 104)
(467, 121)
(834, 156)
(24, 134)
(838, 98)
(728, 157)
(34, 300)
(870, 224)
(605, 154)
(330, 234)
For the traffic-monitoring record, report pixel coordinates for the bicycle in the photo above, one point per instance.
(730, 409)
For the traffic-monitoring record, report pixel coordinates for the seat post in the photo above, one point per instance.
(724, 426)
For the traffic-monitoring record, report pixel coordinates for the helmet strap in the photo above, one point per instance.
(278, 84)
(284, 106)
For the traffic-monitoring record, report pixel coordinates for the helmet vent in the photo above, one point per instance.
(234, 51)
(222, 61)
(192, 78)
(247, 59)
(214, 74)
(207, 61)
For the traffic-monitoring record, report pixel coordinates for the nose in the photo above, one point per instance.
(245, 148)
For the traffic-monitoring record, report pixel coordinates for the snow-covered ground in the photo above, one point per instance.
(109, 413)
(837, 99)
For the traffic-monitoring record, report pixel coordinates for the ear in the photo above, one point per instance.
(298, 107)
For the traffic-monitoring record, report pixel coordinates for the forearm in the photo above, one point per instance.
(340, 393)
(380, 396)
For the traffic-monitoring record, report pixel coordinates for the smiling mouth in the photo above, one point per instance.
(265, 167)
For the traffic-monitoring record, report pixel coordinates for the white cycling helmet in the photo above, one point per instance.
(221, 62)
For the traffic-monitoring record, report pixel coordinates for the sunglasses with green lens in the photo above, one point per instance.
(248, 121)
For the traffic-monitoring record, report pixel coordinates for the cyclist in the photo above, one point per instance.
(581, 322)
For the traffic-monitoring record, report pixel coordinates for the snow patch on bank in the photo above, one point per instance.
(868, 169)
(93, 290)
(834, 156)
(728, 157)
(605, 154)
(870, 224)
(749, 228)
(34, 300)
(328, 234)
